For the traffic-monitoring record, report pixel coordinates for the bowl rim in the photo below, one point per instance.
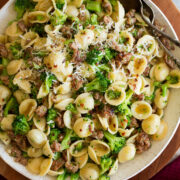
(11, 164)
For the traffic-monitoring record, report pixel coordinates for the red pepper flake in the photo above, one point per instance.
(123, 133)
(114, 125)
(126, 120)
(80, 129)
(82, 105)
(92, 27)
(55, 66)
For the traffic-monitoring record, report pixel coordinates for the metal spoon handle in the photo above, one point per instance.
(176, 42)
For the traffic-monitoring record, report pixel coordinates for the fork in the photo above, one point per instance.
(143, 7)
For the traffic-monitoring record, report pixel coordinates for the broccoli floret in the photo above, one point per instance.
(16, 50)
(58, 17)
(94, 56)
(163, 87)
(172, 79)
(39, 28)
(20, 125)
(100, 83)
(68, 135)
(94, 6)
(53, 136)
(113, 94)
(105, 164)
(22, 5)
(75, 176)
(60, 4)
(109, 54)
(115, 143)
(123, 108)
(4, 63)
(104, 177)
(11, 106)
(93, 19)
(103, 67)
(40, 54)
(71, 108)
(48, 80)
(51, 115)
(62, 176)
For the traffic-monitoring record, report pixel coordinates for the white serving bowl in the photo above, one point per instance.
(140, 162)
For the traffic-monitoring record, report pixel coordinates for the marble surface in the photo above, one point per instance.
(177, 2)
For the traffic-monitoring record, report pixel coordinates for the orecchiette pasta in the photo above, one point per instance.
(82, 160)
(151, 124)
(4, 95)
(34, 152)
(38, 17)
(83, 127)
(14, 66)
(141, 110)
(92, 154)
(127, 153)
(90, 172)
(20, 96)
(6, 123)
(36, 138)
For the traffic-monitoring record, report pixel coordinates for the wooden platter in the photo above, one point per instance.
(173, 14)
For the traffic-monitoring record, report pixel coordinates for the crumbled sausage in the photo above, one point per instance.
(72, 167)
(107, 20)
(17, 154)
(77, 83)
(131, 20)
(139, 97)
(4, 79)
(57, 164)
(107, 6)
(98, 96)
(167, 43)
(41, 111)
(97, 134)
(22, 26)
(134, 123)
(147, 71)
(67, 32)
(123, 58)
(107, 111)
(55, 146)
(140, 33)
(64, 155)
(170, 62)
(59, 121)
(20, 140)
(142, 142)
(3, 50)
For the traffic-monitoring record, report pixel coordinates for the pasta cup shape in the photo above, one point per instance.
(5, 138)
(76, 3)
(103, 121)
(82, 160)
(47, 150)
(125, 132)
(113, 168)
(161, 71)
(141, 110)
(67, 117)
(92, 154)
(90, 172)
(13, 30)
(34, 165)
(84, 103)
(175, 74)
(135, 84)
(28, 107)
(14, 66)
(38, 17)
(115, 95)
(137, 65)
(146, 45)
(100, 147)
(78, 152)
(132, 139)
(113, 124)
(151, 124)
(34, 152)
(6, 123)
(161, 132)
(83, 127)
(127, 153)
(36, 138)
(44, 5)
(63, 104)
(71, 11)
(55, 173)
(42, 92)
(20, 96)
(40, 123)
(29, 39)
(45, 166)
(118, 12)
(4, 95)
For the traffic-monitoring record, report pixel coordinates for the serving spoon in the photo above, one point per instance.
(148, 16)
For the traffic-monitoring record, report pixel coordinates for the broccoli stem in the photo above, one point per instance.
(66, 140)
(94, 6)
(11, 105)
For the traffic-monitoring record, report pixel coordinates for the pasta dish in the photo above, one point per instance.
(83, 87)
